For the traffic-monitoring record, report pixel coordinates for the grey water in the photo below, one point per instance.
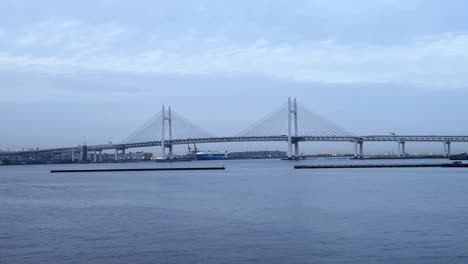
(258, 211)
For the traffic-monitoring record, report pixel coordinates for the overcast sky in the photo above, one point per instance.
(76, 71)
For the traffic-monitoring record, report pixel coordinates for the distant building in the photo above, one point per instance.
(127, 156)
(84, 153)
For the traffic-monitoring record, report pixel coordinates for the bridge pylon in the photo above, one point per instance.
(292, 117)
(166, 116)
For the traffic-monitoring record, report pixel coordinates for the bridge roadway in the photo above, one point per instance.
(353, 139)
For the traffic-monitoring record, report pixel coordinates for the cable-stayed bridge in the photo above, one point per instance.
(292, 123)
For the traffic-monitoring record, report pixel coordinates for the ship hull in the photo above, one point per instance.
(212, 156)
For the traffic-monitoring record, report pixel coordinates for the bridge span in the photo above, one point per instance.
(168, 129)
(358, 141)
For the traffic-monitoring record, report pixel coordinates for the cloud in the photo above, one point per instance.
(436, 61)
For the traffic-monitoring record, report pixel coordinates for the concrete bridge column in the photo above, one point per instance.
(448, 149)
(171, 153)
(290, 155)
(95, 156)
(403, 149)
(73, 156)
(100, 155)
(163, 151)
(356, 155)
(116, 157)
(296, 150)
(361, 149)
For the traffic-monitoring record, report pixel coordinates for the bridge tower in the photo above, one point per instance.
(166, 116)
(292, 117)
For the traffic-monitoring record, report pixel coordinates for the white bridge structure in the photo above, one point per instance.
(292, 123)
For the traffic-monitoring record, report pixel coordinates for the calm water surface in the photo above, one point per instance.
(253, 212)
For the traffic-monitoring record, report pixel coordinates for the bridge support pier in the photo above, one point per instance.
(356, 155)
(100, 155)
(171, 153)
(403, 149)
(361, 149)
(296, 150)
(73, 156)
(95, 156)
(163, 150)
(447, 149)
(290, 155)
(116, 156)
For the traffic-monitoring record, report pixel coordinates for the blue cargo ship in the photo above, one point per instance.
(212, 156)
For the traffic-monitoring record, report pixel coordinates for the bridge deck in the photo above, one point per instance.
(372, 138)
